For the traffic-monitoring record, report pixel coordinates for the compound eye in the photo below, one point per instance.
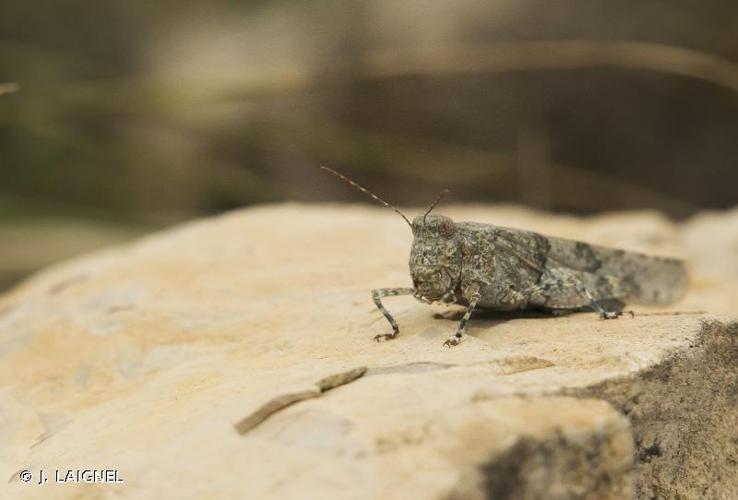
(447, 228)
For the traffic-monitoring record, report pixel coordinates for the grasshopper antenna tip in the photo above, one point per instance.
(365, 191)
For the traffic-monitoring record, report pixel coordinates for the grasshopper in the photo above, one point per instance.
(482, 266)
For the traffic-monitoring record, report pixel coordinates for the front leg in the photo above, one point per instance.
(377, 296)
(474, 298)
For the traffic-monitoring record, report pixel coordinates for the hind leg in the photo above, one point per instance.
(563, 290)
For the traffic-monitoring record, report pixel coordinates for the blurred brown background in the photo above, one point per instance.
(134, 115)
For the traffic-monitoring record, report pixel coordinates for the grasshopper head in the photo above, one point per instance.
(435, 257)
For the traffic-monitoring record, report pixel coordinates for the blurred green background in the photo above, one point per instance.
(117, 118)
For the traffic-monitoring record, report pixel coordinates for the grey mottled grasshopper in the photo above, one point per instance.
(496, 268)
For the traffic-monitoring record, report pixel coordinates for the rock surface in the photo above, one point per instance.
(145, 357)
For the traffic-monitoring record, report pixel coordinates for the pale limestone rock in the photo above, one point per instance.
(143, 358)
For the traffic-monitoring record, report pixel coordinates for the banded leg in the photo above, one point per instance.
(377, 296)
(597, 307)
(462, 325)
(568, 290)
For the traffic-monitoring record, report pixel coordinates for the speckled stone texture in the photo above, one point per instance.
(145, 357)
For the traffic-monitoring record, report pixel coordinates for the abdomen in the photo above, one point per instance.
(643, 279)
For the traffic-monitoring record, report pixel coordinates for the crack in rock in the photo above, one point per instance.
(283, 401)
(519, 364)
(508, 366)
(338, 379)
(415, 367)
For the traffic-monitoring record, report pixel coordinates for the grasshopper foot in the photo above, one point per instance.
(452, 341)
(610, 314)
(385, 336)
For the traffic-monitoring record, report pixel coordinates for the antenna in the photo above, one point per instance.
(366, 191)
(438, 200)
